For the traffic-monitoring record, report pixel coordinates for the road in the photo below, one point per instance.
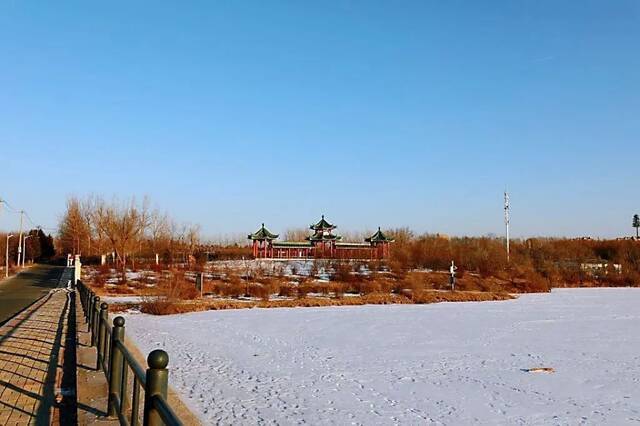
(18, 292)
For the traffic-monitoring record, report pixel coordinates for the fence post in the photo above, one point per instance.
(157, 379)
(116, 365)
(94, 320)
(87, 302)
(85, 305)
(89, 311)
(102, 330)
(81, 293)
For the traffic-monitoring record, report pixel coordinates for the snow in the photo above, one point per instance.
(286, 267)
(448, 363)
(122, 299)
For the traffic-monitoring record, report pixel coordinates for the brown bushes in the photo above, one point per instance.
(556, 260)
(344, 272)
(99, 281)
(287, 290)
(260, 291)
(421, 297)
(233, 252)
(368, 287)
(162, 306)
(231, 289)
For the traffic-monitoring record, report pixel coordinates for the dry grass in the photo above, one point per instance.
(160, 306)
(174, 294)
(434, 296)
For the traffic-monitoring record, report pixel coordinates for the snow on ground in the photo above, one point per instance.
(122, 299)
(448, 363)
(287, 267)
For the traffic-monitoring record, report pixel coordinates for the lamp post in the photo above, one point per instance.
(6, 258)
(24, 246)
(20, 238)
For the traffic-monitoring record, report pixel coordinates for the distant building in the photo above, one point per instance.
(322, 243)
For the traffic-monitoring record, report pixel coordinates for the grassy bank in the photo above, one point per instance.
(165, 306)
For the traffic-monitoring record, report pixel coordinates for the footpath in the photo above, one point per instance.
(48, 370)
(34, 386)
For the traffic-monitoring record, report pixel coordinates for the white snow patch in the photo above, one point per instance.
(448, 363)
(121, 299)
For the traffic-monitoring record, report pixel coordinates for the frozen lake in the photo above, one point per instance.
(448, 363)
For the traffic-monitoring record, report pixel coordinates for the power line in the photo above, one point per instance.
(9, 207)
(29, 219)
(12, 209)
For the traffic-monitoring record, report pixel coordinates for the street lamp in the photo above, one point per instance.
(6, 257)
(24, 245)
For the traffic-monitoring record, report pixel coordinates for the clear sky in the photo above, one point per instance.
(412, 113)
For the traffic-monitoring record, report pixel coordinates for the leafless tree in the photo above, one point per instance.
(123, 224)
(159, 232)
(296, 234)
(74, 233)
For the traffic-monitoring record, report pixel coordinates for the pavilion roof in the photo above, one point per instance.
(262, 234)
(379, 237)
(322, 225)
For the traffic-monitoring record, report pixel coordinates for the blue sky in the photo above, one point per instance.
(416, 113)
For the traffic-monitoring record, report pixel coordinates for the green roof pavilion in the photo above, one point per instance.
(262, 234)
(323, 225)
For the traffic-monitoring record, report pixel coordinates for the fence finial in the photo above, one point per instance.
(158, 359)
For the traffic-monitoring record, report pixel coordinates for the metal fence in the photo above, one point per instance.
(116, 361)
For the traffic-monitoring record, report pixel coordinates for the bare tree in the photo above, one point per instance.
(74, 233)
(192, 239)
(296, 234)
(123, 224)
(159, 232)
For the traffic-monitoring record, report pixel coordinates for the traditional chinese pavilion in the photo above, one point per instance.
(322, 243)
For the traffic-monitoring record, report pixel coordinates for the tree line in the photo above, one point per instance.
(557, 260)
(125, 231)
(37, 246)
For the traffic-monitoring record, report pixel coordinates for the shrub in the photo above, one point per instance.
(99, 281)
(344, 272)
(302, 290)
(177, 287)
(232, 289)
(287, 290)
(338, 290)
(157, 306)
(368, 287)
(258, 290)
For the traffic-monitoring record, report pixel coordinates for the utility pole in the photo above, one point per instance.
(6, 257)
(20, 238)
(506, 219)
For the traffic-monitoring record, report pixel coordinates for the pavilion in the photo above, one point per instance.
(322, 243)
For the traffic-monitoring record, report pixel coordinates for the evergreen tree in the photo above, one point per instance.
(636, 223)
(47, 249)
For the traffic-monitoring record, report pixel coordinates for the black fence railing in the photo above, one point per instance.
(116, 361)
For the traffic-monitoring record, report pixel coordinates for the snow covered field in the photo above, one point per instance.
(448, 363)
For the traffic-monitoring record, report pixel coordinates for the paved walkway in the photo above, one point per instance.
(34, 389)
